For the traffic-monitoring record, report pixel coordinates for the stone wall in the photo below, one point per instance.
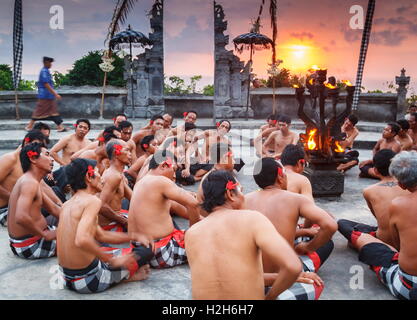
(85, 102)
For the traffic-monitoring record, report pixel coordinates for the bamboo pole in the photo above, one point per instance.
(102, 97)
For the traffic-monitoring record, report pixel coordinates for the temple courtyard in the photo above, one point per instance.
(344, 276)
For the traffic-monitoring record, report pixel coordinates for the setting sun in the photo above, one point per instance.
(298, 57)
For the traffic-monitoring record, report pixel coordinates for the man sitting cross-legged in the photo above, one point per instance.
(351, 132)
(284, 209)
(293, 160)
(378, 198)
(225, 249)
(115, 187)
(149, 214)
(397, 270)
(388, 141)
(280, 138)
(86, 267)
(30, 235)
(72, 143)
(264, 132)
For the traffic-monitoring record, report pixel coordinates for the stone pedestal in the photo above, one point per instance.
(326, 181)
(402, 82)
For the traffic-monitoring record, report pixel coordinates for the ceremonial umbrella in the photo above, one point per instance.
(252, 41)
(131, 38)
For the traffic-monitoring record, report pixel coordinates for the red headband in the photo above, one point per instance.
(151, 122)
(174, 143)
(75, 125)
(101, 139)
(90, 171)
(275, 121)
(217, 124)
(114, 119)
(229, 154)
(280, 172)
(230, 185)
(31, 153)
(185, 114)
(168, 161)
(145, 146)
(118, 149)
(302, 161)
(27, 140)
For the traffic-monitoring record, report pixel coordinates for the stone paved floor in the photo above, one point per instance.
(21, 279)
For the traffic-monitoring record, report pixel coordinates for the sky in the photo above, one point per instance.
(310, 32)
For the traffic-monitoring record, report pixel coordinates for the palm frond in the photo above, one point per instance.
(122, 9)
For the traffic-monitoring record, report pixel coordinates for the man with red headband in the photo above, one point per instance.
(115, 187)
(11, 171)
(72, 143)
(284, 209)
(150, 221)
(225, 249)
(189, 117)
(265, 131)
(86, 267)
(156, 124)
(30, 235)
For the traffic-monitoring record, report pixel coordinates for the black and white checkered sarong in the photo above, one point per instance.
(33, 247)
(3, 216)
(169, 251)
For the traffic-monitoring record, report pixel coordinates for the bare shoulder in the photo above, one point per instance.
(8, 159)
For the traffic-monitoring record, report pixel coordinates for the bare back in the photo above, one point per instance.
(10, 172)
(379, 197)
(226, 270)
(149, 211)
(300, 184)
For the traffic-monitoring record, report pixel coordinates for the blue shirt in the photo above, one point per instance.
(45, 77)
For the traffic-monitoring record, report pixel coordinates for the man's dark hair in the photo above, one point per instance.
(214, 188)
(35, 135)
(125, 124)
(382, 161)
(41, 126)
(110, 148)
(76, 172)
(24, 158)
(85, 121)
(193, 111)
(404, 124)
(108, 133)
(353, 119)
(271, 117)
(121, 115)
(155, 117)
(414, 114)
(189, 126)
(159, 157)
(217, 151)
(285, 118)
(265, 172)
(230, 125)
(47, 59)
(146, 140)
(292, 154)
(394, 127)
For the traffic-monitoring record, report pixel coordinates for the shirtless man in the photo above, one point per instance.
(378, 197)
(413, 129)
(388, 141)
(265, 132)
(115, 187)
(284, 209)
(126, 129)
(293, 160)
(190, 117)
(148, 145)
(45, 129)
(280, 138)
(397, 270)
(72, 143)
(212, 137)
(403, 137)
(11, 171)
(86, 267)
(225, 249)
(29, 234)
(156, 124)
(149, 214)
(351, 132)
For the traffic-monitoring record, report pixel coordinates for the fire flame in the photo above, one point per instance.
(315, 68)
(311, 81)
(348, 83)
(330, 86)
(296, 86)
(311, 144)
(338, 147)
